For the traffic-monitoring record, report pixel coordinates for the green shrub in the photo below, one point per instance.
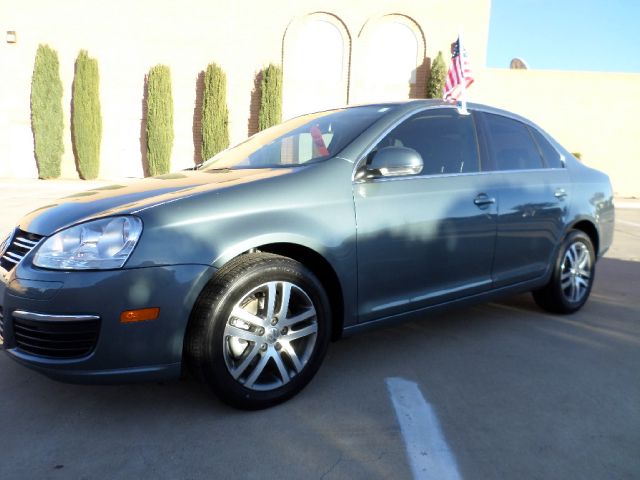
(215, 115)
(435, 84)
(271, 97)
(86, 121)
(159, 120)
(46, 112)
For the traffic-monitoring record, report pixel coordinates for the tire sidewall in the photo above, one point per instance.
(216, 372)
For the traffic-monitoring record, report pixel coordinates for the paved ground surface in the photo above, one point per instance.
(518, 393)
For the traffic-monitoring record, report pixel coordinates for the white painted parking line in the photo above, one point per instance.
(624, 222)
(427, 449)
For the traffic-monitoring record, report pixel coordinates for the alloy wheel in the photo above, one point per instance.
(270, 335)
(575, 274)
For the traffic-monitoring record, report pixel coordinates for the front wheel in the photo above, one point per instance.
(572, 277)
(260, 330)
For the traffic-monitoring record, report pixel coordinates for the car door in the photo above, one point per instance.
(533, 188)
(426, 238)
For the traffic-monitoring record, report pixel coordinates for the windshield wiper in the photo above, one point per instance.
(195, 167)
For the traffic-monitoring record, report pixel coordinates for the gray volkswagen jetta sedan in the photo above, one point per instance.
(246, 267)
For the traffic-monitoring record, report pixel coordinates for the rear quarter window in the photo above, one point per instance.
(551, 156)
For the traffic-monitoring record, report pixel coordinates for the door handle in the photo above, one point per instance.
(483, 200)
(560, 194)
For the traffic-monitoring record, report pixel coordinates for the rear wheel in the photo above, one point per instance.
(572, 278)
(260, 330)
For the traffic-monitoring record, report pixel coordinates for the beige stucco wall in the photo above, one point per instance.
(593, 113)
(590, 113)
(128, 37)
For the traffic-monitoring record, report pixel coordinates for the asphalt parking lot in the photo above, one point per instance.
(517, 393)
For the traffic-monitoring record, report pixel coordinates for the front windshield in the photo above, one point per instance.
(301, 140)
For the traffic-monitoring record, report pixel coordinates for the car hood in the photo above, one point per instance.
(137, 196)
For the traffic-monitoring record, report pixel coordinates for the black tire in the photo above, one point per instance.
(227, 350)
(572, 277)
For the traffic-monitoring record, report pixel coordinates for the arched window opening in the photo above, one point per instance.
(315, 66)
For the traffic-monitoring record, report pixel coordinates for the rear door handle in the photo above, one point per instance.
(560, 194)
(483, 200)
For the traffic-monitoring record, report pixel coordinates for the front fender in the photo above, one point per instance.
(311, 207)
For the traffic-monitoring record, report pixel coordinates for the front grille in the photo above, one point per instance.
(56, 339)
(21, 244)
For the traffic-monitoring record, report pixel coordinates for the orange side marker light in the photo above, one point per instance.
(139, 315)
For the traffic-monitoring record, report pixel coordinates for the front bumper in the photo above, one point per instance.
(43, 313)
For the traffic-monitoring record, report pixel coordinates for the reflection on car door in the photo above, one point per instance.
(421, 239)
(532, 199)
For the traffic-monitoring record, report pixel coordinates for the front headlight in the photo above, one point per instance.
(96, 245)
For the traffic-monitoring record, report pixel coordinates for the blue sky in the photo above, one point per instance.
(592, 35)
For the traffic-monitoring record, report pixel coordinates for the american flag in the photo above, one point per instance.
(459, 77)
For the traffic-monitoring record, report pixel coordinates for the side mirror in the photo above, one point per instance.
(394, 161)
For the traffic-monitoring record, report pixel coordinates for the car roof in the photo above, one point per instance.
(417, 104)
(406, 108)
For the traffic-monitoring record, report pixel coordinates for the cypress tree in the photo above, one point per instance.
(215, 115)
(86, 120)
(271, 97)
(46, 112)
(159, 120)
(435, 84)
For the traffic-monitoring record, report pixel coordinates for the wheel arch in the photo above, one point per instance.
(589, 228)
(309, 257)
(325, 272)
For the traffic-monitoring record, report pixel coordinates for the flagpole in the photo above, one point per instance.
(463, 96)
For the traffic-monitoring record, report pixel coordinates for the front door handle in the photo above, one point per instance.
(483, 200)
(560, 194)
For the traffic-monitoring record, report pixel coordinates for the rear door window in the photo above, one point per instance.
(511, 144)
